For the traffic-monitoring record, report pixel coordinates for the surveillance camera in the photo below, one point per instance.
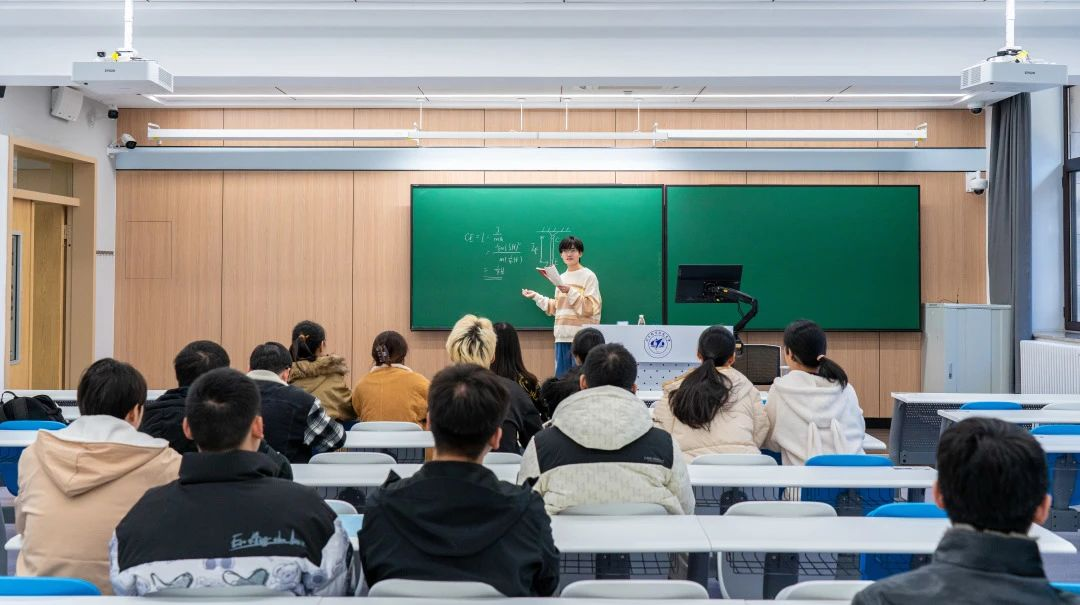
(975, 183)
(128, 141)
(113, 113)
(976, 108)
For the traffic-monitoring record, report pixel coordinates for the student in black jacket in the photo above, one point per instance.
(453, 519)
(163, 418)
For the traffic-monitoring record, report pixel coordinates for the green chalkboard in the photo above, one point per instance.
(846, 257)
(475, 248)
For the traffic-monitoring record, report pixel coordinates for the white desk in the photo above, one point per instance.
(880, 535)
(17, 438)
(854, 477)
(372, 475)
(388, 439)
(629, 534)
(873, 444)
(1059, 444)
(1016, 416)
(112, 600)
(962, 398)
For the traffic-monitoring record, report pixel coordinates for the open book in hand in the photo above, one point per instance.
(551, 274)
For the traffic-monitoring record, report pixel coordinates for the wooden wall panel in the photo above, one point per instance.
(155, 318)
(287, 256)
(289, 118)
(381, 282)
(439, 120)
(549, 178)
(945, 127)
(680, 178)
(901, 366)
(549, 120)
(811, 178)
(857, 353)
(705, 119)
(133, 121)
(811, 119)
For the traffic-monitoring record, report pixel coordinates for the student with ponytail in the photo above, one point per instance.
(320, 373)
(713, 409)
(391, 391)
(813, 410)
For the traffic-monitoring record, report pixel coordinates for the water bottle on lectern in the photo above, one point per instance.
(640, 320)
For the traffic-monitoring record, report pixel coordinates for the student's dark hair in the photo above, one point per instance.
(508, 362)
(272, 356)
(466, 405)
(554, 390)
(198, 358)
(220, 408)
(571, 241)
(806, 341)
(307, 336)
(991, 474)
(389, 347)
(111, 388)
(584, 341)
(705, 392)
(610, 364)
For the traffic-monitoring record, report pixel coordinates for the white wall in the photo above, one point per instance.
(24, 114)
(1047, 243)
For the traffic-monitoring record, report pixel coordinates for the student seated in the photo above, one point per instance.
(391, 391)
(228, 521)
(472, 340)
(812, 410)
(713, 409)
(453, 519)
(554, 390)
(992, 482)
(296, 424)
(319, 372)
(584, 341)
(164, 418)
(76, 484)
(601, 445)
(508, 363)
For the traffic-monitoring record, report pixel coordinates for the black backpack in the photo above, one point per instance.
(38, 407)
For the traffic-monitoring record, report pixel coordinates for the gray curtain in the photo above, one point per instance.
(1009, 216)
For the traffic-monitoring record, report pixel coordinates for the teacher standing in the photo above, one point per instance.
(576, 303)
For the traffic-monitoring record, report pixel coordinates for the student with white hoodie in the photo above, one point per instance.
(76, 484)
(813, 410)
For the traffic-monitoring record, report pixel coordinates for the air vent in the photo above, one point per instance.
(971, 76)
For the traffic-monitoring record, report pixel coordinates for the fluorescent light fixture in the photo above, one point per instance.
(793, 135)
(549, 96)
(291, 134)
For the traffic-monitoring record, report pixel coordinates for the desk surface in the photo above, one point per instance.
(842, 535)
(629, 534)
(1059, 444)
(111, 600)
(388, 439)
(703, 475)
(1016, 416)
(962, 398)
(372, 475)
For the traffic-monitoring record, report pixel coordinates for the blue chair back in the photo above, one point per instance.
(1050, 429)
(1061, 463)
(46, 587)
(1067, 587)
(849, 502)
(9, 456)
(874, 566)
(991, 405)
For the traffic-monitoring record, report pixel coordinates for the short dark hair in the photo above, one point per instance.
(466, 406)
(584, 341)
(610, 364)
(110, 388)
(198, 358)
(272, 356)
(573, 242)
(991, 475)
(220, 408)
(554, 390)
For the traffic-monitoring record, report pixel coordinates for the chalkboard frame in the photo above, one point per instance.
(750, 328)
(663, 234)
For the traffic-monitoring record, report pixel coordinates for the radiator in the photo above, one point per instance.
(1048, 367)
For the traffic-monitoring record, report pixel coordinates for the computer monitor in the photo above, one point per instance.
(704, 283)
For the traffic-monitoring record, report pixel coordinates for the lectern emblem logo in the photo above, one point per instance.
(658, 344)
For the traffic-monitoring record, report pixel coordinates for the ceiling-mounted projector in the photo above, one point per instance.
(122, 77)
(1012, 77)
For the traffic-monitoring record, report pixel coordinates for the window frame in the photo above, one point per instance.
(1070, 172)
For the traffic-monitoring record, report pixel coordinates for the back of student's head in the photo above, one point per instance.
(991, 475)
(198, 358)
(508, 362)
(610, 365)
(271, 356)
(472, 340)
(554, 390)
(805, 340)
(705, 392)
(584, 341)
(307, 337)
(220, 408)
(111, 388)
(466, 406)
(389, 347)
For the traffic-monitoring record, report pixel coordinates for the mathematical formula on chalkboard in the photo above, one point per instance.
(497, 251)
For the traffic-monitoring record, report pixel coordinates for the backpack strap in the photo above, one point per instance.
(20, 408)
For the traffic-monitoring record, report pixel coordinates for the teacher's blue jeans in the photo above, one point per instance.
(563, 359)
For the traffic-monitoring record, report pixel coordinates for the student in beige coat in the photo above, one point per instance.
(319, 373)
(713, 409)
(76, 484)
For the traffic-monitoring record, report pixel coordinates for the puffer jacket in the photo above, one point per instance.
(741, 428)
(811, 415)
(325, 379)
(601, 447)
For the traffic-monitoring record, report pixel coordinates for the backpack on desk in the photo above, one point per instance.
(38, 407)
